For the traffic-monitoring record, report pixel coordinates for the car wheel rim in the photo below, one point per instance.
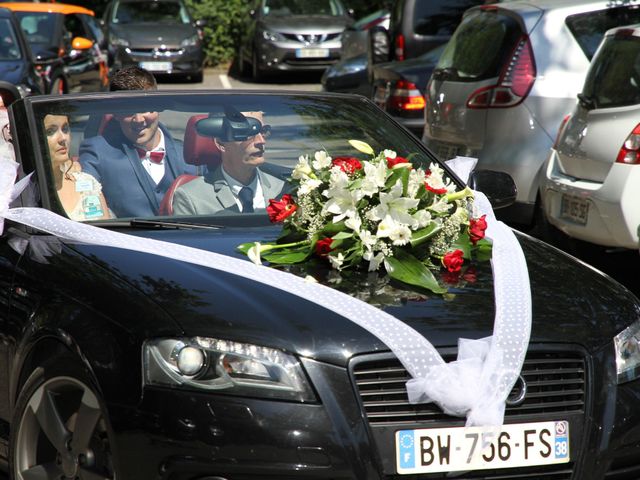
(62, 434)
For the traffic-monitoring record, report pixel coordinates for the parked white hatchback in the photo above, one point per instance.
(592, 182)
(508, 76)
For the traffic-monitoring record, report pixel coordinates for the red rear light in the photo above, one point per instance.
(563, 124)
(399, 47)
(514, 84)
(630, 151)
(405, 96)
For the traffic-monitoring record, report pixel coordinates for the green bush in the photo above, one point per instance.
(225, 21)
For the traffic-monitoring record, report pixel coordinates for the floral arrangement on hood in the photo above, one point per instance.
(378, 212)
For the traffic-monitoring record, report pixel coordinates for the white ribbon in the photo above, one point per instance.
(475, 386)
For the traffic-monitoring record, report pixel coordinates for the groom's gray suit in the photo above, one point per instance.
(211, 194)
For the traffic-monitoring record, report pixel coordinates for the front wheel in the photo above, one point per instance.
(59, 429)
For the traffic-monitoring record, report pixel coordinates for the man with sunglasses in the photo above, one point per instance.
(135, 159)
(242, 183)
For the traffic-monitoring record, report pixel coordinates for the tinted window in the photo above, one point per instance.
(150, 12)
(614, 76)
(39, 27)
(282, 8)
(9, 49)
(439, 17)
(480, 46)
(589, 28)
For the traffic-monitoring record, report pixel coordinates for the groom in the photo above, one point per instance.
(136, 160)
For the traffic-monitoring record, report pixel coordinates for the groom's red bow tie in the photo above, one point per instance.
(155, 157)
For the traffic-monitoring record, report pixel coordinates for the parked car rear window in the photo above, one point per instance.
(614, 77)
(439, 17)
(480, 46)
(589, 28)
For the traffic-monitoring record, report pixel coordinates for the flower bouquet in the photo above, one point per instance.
(378, 212)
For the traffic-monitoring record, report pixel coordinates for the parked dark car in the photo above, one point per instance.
(120, 364)
(289, 35)
(398, 88)
(17, 64)
(158, 35)
(66, 41)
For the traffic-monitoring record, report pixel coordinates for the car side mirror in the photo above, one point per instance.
(379, 45)
(81, 43)
(9, 93)
(499, 187)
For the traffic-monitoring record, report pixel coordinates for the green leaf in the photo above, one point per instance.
(342, 235)
(332, 228)
(406, 268)
(483, 250)
(244, 247)
(420, 236)
(463, 243)
(399, 174)
(288, 255)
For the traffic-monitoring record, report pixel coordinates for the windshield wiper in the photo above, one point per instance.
(159, 224)
(449, 73)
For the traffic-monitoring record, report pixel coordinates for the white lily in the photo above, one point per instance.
(367, 238)
(322, 160)
(374, 260)
(375, 176)
(396, 206)
(389, 153)
(254, 253)
(354, 223)
(302, 168)
(337, 261)
(341, 200)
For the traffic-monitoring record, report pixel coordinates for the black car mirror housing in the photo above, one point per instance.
(499, 187)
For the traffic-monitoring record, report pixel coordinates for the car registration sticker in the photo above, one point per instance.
(574, 208)
(157, 66)
(460, 448)
(312, 53)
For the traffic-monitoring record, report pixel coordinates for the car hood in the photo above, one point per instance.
(208, 302)
(12, 72)
(305, 24)
(145, 35)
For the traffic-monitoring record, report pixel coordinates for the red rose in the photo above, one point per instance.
(323, 247)
(439, 191)
(347, 164)
(453, 260)
(477, 226)
(391, 162)
(278, 210)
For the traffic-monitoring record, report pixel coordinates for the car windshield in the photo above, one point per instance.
(39, 28)
(271, 132)
(150, 12)
(283, 8)
(9, 48)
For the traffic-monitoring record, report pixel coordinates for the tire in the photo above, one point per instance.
(60, 428)
(256, 71)
(197, 77)
(57, 86)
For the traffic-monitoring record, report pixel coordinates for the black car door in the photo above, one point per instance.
(82, 65)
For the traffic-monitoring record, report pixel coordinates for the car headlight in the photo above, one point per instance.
(627, 346)
(227, 367)
(273, 36)
(190, 42)
(118, 41)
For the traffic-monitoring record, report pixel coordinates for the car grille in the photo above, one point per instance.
(310, 39)
(555, 384)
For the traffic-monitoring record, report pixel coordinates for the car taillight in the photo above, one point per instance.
(399, 51)
(514, 84)
(405, 96)
(563, 124)
(630, 151)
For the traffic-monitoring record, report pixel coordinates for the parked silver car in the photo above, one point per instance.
(158, 35)
(590, 190)
(508, 76)
(292, 35)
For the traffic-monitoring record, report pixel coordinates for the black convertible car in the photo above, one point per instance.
(132, 363)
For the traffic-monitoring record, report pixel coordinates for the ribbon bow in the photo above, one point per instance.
(155, 156)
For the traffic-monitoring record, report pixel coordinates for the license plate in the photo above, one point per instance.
(157, 66)
(478, 448)
(312, 53)
(574, 208)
